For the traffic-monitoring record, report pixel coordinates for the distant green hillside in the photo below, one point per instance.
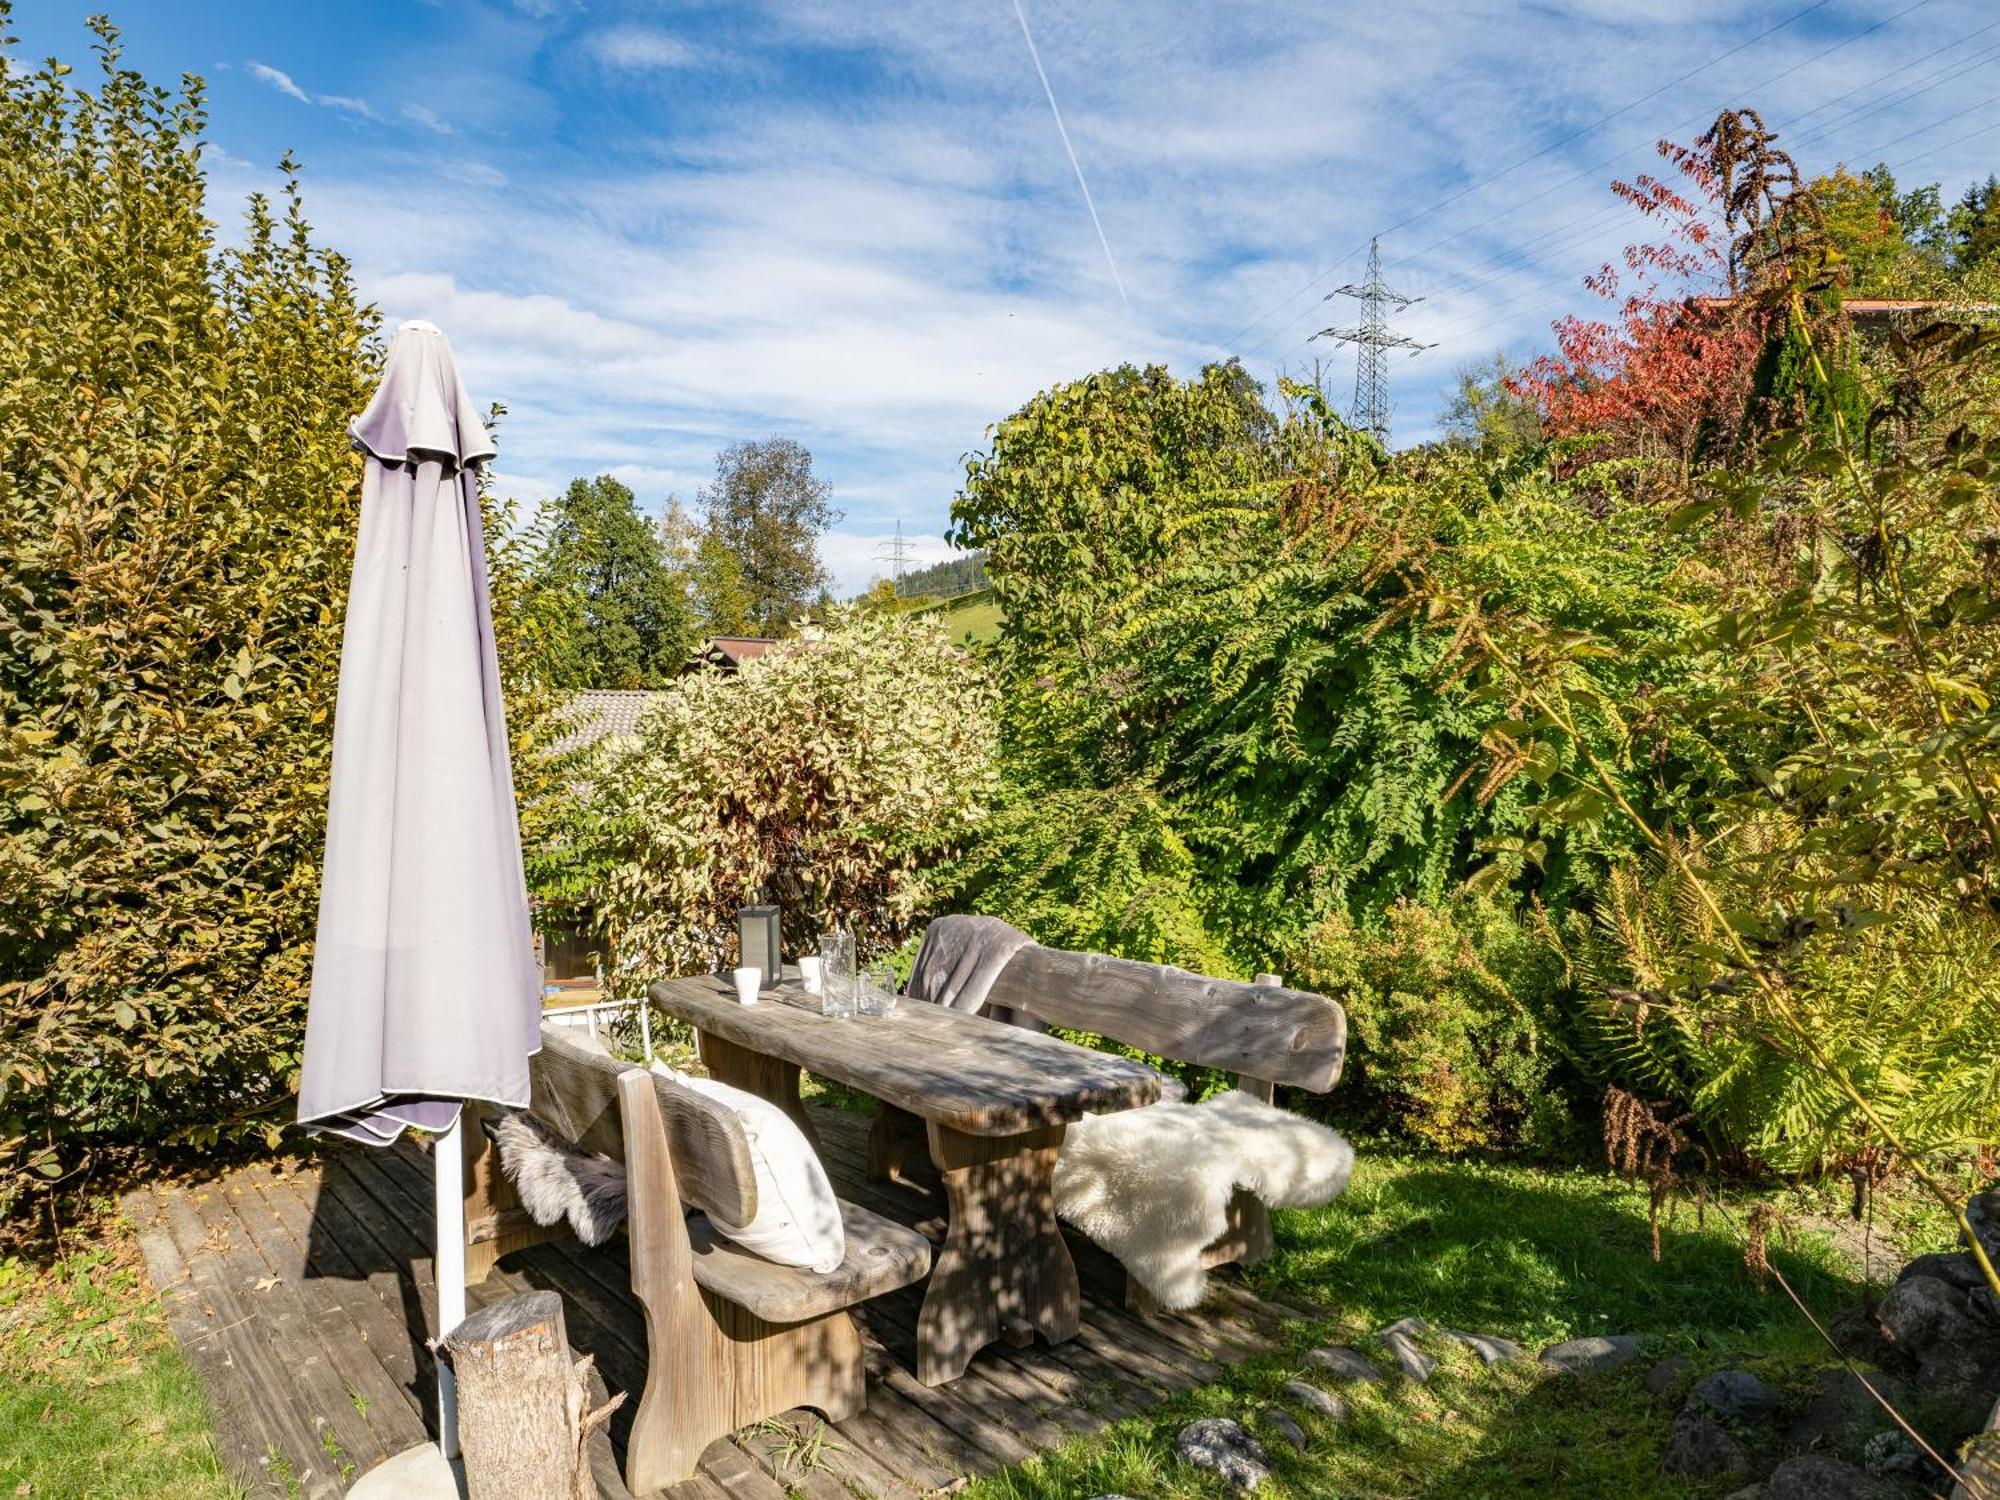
(970, 617)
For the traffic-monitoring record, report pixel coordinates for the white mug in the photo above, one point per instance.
(809, 973)
(748, 981)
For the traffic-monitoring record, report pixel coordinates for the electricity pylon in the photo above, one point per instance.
(897, 557)
(1372, 341)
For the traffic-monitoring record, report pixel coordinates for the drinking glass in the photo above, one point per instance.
(836, 973)
(877, 993)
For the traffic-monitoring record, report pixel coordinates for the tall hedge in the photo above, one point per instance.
(177, 507)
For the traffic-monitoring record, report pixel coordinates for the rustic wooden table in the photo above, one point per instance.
(994, 1100)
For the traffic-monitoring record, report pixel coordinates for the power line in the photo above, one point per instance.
(1372, 340)
(1556, 145)
(1492, 319)
(1619, 155)
(1548, 241)
(1559, 237)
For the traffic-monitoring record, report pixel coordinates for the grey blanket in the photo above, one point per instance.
(960, 958)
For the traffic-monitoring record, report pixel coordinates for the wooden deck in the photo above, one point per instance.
(305, 1301)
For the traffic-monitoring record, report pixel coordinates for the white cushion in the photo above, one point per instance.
(797, 1222)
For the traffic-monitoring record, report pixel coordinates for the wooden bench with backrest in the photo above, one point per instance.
(1264, 1033)
(732, 1338)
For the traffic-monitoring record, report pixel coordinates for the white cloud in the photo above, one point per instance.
(883, 252)
(643, 49)
(284, 83)
(347, 104)
(428, 118)
(279, 80)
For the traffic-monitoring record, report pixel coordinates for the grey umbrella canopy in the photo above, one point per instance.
(424, 987)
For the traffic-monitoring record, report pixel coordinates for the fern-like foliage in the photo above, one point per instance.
(1906, 1005)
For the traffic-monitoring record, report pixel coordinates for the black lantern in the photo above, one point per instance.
(759, 943)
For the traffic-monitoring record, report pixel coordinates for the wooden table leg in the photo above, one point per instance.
(769, 1078)
(893, 1139)
(1004, 1265)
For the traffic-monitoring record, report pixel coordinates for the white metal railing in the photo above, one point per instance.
(587, 1015)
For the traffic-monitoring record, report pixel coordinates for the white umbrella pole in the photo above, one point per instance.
(448, 1164)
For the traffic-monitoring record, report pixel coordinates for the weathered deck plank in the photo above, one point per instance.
(303, 1300)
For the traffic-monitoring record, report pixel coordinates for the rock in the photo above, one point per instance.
(1955, 1268)
(1945, 1332)
(1281, 1423)
(1920, 1311)
(1814, 1476)
(1748, 1492)
(1982, 1212)
(1890, 1455)
(1665, 1377)
(1329, 1406)
(1223, 1448)
(1843, 1410)
(1593, 1354)
(1734, 1396)
(1489, 1347)
(1698, 1447)
(1343, 1364)
(1399, 1338)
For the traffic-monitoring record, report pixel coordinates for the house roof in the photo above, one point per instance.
(600, 713)
(729, 652)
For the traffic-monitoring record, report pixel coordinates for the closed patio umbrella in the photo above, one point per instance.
(425, 992)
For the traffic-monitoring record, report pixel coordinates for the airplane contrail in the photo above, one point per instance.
(1109, 259)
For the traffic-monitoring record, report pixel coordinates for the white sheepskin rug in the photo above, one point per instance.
(1153, 1185)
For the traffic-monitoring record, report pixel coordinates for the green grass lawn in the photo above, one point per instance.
(96, 1402)
(1532, 1255)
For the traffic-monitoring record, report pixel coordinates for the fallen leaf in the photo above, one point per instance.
(265, 1283)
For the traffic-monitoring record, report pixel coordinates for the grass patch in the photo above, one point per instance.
(95, 1400)
(1534, 1255)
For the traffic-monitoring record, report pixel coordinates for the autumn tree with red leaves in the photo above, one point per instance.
(1670, 376)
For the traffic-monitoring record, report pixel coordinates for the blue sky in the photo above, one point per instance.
(653, 229)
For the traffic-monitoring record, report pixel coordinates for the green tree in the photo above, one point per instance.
(759, 567)
(1075, 502)
(178, 500)
(1890, 243)
(1975, 225)
(1485, 414)
(624, 612)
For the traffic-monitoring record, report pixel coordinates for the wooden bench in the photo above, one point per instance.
(1264, 1033)
(733, 1338)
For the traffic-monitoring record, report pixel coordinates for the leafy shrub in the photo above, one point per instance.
(177, 509)
(1097, 871)
(1904, 1002)
(1445, 1042)
(832, 772)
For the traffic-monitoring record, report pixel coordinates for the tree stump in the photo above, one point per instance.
(523, 1408)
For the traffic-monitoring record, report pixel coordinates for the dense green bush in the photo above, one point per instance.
(1097, 871)
(177, 505)
(1449, 1010)
(832, 773)
(1263, 728)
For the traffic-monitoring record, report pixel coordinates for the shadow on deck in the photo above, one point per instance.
(305, 1301)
